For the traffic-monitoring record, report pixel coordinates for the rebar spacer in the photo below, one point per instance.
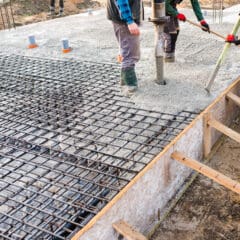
(32, 42)
(66, 48)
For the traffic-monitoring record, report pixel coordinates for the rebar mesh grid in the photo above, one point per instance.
(69, 142)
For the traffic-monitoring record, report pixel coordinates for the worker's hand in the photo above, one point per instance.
(133, 29)
(181, 17)
(205, 26)
(232, 39)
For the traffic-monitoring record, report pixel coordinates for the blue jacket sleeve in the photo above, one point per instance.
(125, 11)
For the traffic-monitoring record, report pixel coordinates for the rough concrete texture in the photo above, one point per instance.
(161, 181)
(92, 38)
(208, 210)
(157, 186)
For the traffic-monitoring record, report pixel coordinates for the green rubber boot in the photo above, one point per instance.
(128, 77)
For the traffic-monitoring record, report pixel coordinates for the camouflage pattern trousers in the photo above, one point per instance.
(169, 37)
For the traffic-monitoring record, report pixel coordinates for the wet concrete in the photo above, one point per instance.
(92, 38)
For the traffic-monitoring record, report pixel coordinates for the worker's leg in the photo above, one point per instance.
(171, 31)
(174, 35)
(52, 3)
(52, 7)
(61, 6)
(130, 51)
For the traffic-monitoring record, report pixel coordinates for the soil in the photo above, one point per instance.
(208, 211)
(31, 11)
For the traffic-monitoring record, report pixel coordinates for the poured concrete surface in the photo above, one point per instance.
(92, 38)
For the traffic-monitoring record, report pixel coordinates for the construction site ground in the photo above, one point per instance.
(30, 11)
(92, 38)
(207, 210)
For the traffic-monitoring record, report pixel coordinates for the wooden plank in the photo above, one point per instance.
(224, 129)
(207, 139)
(234, 98)
(128, 231)
(207, 171)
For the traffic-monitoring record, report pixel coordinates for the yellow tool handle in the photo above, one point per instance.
(221, 57)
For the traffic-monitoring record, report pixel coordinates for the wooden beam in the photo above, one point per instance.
(207, 171)
(234, 98)
(127, 231)
(207, 138)
(224, 129)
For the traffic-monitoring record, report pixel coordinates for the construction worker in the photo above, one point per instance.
(171, 29)
(232, 39)
(125, 16)
(52, 8)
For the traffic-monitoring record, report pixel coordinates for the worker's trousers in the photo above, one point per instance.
(169, 37)
(61, 4)
(129, 45)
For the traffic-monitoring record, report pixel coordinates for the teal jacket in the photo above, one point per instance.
(172, 11)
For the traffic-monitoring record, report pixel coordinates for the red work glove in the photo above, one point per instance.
(230, 38)
(181, 17)
(205, 26)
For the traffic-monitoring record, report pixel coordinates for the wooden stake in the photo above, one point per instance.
(127, 231)
(207, 171)
(207, 138)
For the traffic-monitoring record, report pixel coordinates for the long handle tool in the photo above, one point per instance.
(198, 25)
(221, 58)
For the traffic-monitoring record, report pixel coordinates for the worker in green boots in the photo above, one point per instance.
(171, 29)
(125, 16)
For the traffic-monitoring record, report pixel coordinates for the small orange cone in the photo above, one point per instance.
(32, 42)
(66, 48)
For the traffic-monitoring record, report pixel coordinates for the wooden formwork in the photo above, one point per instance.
(143, 200)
